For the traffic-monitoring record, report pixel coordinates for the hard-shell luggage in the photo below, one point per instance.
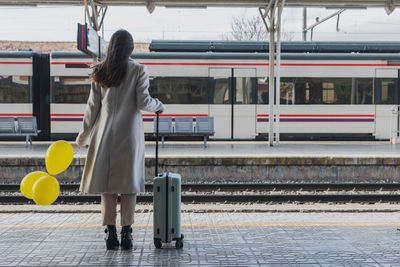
(166, 205)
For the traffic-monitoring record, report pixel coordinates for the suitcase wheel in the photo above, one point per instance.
(179, 243)
(157, 243)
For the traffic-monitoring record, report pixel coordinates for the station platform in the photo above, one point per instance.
(211, 239)
(249, 162)
(230, 149)
(292, 162)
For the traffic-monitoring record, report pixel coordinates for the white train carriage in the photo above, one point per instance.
(70, 87)
(323, 95)
(328, 91)
(16, 90)
(25, 88)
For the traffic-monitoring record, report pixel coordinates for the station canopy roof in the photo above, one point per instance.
(388, 4)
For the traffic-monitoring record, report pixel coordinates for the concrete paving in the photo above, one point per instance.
(214, 239)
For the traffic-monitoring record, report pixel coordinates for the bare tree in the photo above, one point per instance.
(247, 29)
(251, 29)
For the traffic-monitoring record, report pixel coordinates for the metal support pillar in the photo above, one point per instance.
(271, 80)
(304, 24)
(95, 12)
(272, 27)
(278, 72)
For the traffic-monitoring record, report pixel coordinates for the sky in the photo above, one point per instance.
(59, 23)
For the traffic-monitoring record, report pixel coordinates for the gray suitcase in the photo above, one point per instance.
(166, 205)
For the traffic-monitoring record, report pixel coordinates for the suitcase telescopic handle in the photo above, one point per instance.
(157, 135)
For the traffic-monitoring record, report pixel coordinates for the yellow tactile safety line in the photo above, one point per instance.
(206, 225)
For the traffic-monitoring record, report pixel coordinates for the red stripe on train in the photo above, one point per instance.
(12, 62)
(67, 115)
(73, 63)
(321, 115)
(15, 114)
(245, 64)
(319, 120)
(335, 65)
(201, 64)
(144, 115)
(206, 115)
(176, 115)
(265, 64)
(258, 119)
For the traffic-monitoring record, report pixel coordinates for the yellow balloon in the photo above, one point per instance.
(46, 190)
(28, 181)
(58, 157)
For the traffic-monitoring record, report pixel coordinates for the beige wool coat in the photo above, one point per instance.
(113, 128)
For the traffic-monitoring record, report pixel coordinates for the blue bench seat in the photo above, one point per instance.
(183, 126)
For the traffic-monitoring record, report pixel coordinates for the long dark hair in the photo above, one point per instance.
(110, 72)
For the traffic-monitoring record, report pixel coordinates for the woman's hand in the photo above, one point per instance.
(79, 146)
(162, 109)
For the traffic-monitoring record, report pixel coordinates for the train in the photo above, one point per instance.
(328, 91)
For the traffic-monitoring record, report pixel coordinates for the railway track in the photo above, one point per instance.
(234, 193)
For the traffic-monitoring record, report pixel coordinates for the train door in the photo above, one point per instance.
(386, 92)
(220, 107)
(233, 104)
(245, 100)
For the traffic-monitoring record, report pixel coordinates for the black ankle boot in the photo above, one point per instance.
(126, 237)
(111, 237)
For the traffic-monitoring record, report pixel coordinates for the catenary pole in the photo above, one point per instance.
(304, 24)
(269, 11)
(278, 72)
(271, 77)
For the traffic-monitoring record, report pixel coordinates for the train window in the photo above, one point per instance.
(313, 91)
(320, 91)
(342, 88)
(15, 89)
(362, 91)
(180, 90)
(323, 91)
(71, 90)
(262, 91)
(388, 88)
(287, 91)
(243, 90)
(302, 91)
(221, 91)
(328, 93)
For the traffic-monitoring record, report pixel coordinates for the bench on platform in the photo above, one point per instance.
(26, 126)
(183, 126)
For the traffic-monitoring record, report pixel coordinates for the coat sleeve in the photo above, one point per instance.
(91, 112)
(144, 100)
